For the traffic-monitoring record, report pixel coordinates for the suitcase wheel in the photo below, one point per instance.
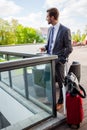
(74, 126)
(70, 125)
(78, 126)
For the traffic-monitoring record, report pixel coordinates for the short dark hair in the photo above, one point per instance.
(53, 12)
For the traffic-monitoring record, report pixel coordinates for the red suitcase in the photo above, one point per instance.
(74, 110)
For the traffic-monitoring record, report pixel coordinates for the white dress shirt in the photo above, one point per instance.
(56, 28)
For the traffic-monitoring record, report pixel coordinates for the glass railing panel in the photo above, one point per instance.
(14, 79)
(18, 84)
(40, 84)
(34, 83)
(33, 97)
(5, 77)
(6, 57)
(15, 57)
(3, 58)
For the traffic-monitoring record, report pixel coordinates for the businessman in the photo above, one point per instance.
(59, 43)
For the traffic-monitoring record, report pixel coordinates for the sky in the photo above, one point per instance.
(32, 13)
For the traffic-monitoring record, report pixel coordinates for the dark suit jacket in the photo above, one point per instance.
(62, 46)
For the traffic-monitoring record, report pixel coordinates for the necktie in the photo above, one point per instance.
(51, 40)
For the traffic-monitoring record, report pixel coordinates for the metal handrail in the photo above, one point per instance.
(9, 65)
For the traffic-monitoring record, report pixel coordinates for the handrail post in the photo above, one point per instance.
(26, 82)
(9, 73)
(53, 88)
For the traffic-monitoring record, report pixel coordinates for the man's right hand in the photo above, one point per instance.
(42, 49)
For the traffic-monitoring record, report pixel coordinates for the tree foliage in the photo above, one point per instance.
(78, 37)
(15, 33)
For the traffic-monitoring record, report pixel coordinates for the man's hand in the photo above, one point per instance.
(42, 49)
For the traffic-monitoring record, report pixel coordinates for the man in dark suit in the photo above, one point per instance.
(59, 43)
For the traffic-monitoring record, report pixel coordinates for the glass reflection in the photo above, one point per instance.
(40, 83)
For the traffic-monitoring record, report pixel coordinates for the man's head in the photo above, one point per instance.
(52, 16)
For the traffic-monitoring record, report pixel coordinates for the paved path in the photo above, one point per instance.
(30, 49)
(79, 54)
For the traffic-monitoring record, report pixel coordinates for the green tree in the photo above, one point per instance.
(19, 34)
(15, 33)
(83, 37)
(76, 37)
(4, 28)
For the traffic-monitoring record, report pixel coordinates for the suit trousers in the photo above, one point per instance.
(59, 73)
